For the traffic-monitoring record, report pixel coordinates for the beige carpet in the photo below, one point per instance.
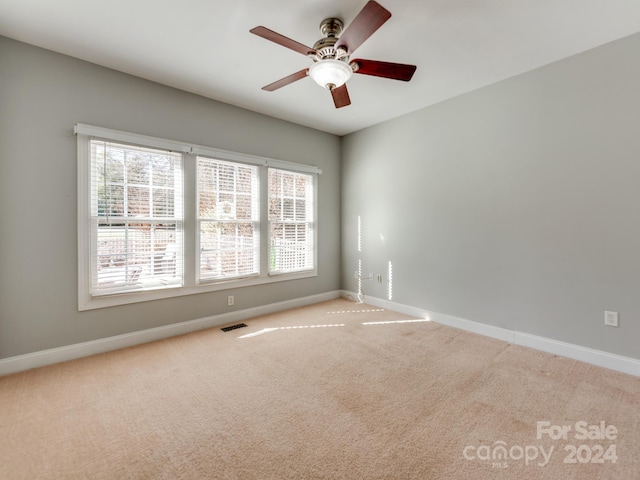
(320, 394)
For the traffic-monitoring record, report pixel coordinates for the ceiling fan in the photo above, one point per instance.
(332, 66)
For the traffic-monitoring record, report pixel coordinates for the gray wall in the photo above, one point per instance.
(42, 96)
(517, 205)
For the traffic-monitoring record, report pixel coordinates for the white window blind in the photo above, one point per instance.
(228, 219)
(136, 218)
(291, 221)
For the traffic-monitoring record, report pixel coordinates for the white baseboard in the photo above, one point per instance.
(71, 352)
(576, 352)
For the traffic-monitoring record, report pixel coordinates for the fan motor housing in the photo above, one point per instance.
(331, 29)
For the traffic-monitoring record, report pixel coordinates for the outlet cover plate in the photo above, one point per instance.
(611, 319)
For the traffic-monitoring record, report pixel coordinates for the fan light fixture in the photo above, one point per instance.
(330, 73)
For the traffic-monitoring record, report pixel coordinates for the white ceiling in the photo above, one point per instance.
(205, 47)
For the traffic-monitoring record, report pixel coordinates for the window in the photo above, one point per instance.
(136, 218)
(291, 225)
(159, 218)
(228, 219)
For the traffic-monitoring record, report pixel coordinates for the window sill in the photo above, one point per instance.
(104, 301)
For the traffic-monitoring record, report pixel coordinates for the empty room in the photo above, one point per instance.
(320, 239)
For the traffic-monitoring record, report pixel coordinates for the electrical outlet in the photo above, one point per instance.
(611, 319)
(355, 274)
(379, 278)
(231, 300)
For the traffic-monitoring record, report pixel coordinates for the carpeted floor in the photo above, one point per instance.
(336, 390)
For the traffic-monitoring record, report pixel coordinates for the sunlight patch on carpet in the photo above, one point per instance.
(390, 322)
(357, 311)
(296, 327)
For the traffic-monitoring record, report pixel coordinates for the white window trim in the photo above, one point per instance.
(88, 302)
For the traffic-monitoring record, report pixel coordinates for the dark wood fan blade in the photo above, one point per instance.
(286, 80)
(395, 71)
(370, 19)
(341, 96)
(282, 40)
